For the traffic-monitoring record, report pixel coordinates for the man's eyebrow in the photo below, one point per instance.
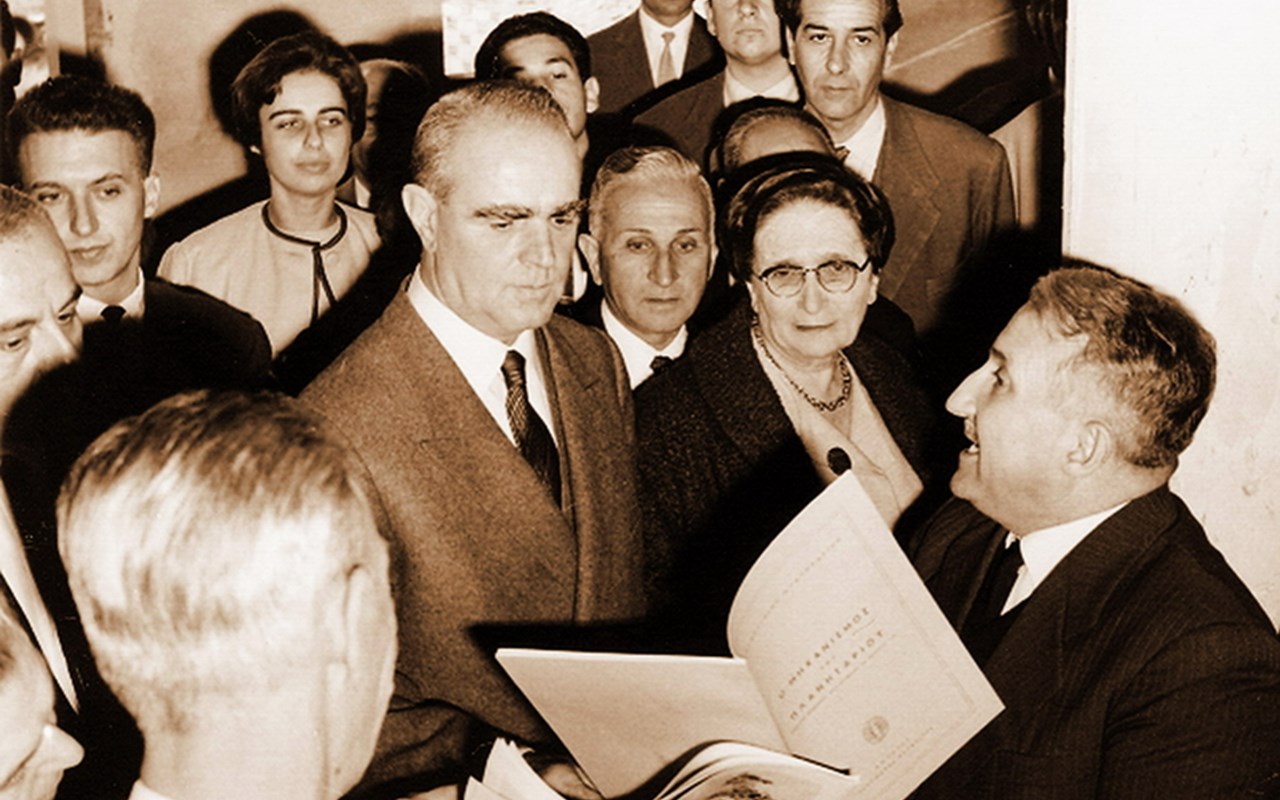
(285, 112)
(15, 325)
(73, 299)
(507, 212)
(574, 207)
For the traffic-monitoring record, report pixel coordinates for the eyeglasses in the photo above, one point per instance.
(836, 275)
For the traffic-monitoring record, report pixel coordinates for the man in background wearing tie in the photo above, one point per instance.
(651, 249)
(1131, 660)
(660, 42)
(41, 332)
(499, 436)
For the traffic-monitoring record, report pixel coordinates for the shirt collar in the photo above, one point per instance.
(141, 791)
(1044, 549)
(478, 355)
(654, 29)
(89, 309)
(864, 146)
(637, 354)
(736, 91)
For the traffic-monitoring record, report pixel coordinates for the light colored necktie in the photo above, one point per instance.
(666, 64)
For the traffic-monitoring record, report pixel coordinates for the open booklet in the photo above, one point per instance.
(841, 657)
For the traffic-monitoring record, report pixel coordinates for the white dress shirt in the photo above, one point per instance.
(864, 145)
(479, 356)
(89, 309)
(736, 91)
(143, 792)
(637, 354)
(1042, 550)
(652, 31)
(17, 574)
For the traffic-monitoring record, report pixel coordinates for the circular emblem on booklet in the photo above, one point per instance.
(876, 729)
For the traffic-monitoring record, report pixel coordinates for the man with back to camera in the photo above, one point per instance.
(660, 42)
(1131, 660)
(948, 185)
(651, 249)
(224, 551)
(519, 422)
(750, 36)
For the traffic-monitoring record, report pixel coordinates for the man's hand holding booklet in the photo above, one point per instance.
(841, 659)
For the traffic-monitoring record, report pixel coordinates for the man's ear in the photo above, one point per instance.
(150, 195)
(591, 88)
(591, 252)
(421, 206)
(1093, 447)
(875, 286)
(889, 47)
(791, 46)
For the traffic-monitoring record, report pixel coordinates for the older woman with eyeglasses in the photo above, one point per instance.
(769, 405)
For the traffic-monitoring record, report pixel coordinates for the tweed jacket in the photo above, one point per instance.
(620, 63)
(722, 470)
(1140, 667)
(478, 542)
(951, 194)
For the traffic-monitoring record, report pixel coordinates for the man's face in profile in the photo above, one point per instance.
(39, 328)
(34, 751)
(1021, 412)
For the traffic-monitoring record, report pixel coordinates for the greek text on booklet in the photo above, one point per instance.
(840, 656)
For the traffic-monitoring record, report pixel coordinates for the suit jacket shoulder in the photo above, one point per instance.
(1140, 667)
(951, 193)
(687, 118)
(227, 347)
(620, 63)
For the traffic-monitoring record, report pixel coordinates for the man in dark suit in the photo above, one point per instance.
(750, 36)
(949, 185)
(660, 42)
(499, 436)
(83, 150)
(42, 334)
(1131, 660)
(651, 249)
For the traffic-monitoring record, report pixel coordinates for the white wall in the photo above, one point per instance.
(1173, 176)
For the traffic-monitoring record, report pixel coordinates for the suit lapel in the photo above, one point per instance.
(907, 177)
(1026, 668)
(452, 428)
(638, 81)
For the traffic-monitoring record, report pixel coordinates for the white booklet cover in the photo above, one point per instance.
(841, 657)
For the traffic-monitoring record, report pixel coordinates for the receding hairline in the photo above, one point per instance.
(660, 184)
